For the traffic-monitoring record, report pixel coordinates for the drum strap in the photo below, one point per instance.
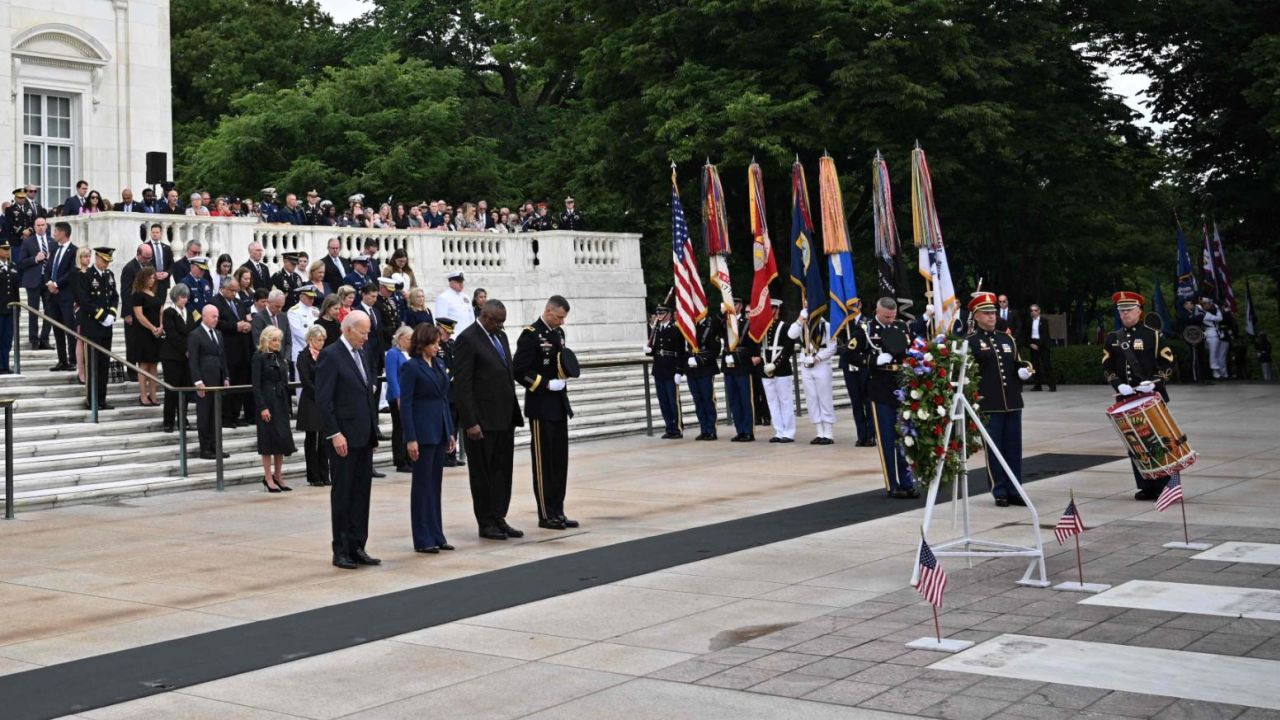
(1132, 360)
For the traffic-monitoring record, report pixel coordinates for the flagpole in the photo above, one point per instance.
(1079, 561)
(1182, 505)
(936, 629)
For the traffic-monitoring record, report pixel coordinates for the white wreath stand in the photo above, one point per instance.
(969, 546)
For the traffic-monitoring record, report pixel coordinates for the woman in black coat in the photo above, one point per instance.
(177, 320)
(271, 398)
(309, 419)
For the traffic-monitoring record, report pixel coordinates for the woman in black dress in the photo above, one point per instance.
(271, 398)
(309, 418)
(145, 333)
(177, 320)
(329, 319)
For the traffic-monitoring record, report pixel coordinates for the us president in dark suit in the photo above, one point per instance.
(428, 432)
(206, 353)
(346, 397)
(484, 389)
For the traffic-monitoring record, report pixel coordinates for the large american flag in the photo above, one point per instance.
(933, 581)
(1171, 494)
(691, 301)
(1069, 524)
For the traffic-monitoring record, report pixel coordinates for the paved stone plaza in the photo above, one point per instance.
(808, 627)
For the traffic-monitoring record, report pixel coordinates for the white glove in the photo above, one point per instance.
(679, 379)
(693, 362)
(108, 320)
(769, 368)
(804, 313)
(884, 358)
(647, 349)
(808, 361)
(1024, 374)
(1146, 386)
(1125, 389)
(556, 385)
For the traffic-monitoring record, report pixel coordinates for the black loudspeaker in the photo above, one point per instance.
(157, 167)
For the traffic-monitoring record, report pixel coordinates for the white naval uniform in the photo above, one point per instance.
(1217, 346)
(815, 376)
(779, 391)
(457, 307)
(300, 317)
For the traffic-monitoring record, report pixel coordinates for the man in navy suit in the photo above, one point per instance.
(36, 253)
(59, 282)
(72, 206)
(346, 396)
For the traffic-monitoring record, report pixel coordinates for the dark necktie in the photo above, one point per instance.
(498, 346)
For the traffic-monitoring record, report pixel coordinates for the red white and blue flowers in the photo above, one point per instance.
(926, 391)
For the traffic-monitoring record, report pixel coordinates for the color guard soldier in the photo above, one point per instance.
(736, 365)
(286, 280)
(97, 298)
(1001, 373)
(855, 382)
(703, 368)
(881, 344)
(542, 365)
(669, 352)
(816, 352)
(776, 350)
(1135, 359)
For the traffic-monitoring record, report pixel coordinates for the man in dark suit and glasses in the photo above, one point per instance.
(59, 282)
(36, 255)
(484, 389)
(347, 401)
(206, 353)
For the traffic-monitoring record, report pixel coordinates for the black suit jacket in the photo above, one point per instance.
(133, 206)
(207, 359)
(1013, 325)
(332, 276)
(239, 346)
(484, 385)
(1046, 336)
(345, 400)
(71, 207)
(261, 275)
(127, 275)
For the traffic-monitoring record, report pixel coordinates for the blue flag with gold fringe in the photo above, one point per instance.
(805, 271)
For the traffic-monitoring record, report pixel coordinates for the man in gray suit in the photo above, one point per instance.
(206, 352)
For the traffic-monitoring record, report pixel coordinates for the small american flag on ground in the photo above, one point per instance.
(1171, 494)
(933, 581)
(1069, 524)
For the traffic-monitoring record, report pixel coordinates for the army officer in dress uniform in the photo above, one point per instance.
(669, 351)
(542, 365)
(881, 344)
(1000, 386)
(1135, 359)
(97, 299)
(286, 280)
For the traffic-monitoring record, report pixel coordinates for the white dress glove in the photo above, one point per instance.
(769, 368)
(1146, 386)
(693, 362)
(804, 313)
(679, 379)
(884, 358)
(556, 385)
(1024, 374)
(808, 361)
(1125, 389)
(647, 349)
(108, 321)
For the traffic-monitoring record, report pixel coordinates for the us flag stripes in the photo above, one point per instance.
(1069, 524)
(1171, 494)
(933, 581)
(691, 301)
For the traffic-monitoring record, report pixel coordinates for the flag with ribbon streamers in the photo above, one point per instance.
(1186, 276)
(804, 267)
(933, 256)
(715, 229)
(890, 267)
(762, 260)
(1221, 273)
(691, 301)
(843, 295)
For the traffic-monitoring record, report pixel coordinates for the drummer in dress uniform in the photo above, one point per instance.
(286, 280)
(1000, 387)
(97, 299)
(776, 350)
(1136, 359)
(881, 344)
(669, 352)
(543, 365)
(736, 365)
(703, 368)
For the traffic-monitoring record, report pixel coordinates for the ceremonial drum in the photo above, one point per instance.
(1156, 444)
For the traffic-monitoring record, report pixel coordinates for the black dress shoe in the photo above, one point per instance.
(713, 436)
(377, 473)
(43, 346)
(382, 437)
(450, 462)
(445, 546)
(207, 456)
(567, 522)
(344, 562)
(775, 439)
(738, 438)
(362, 558)
(553, 524)
(168, 429)
(403, 468)
(1002, 502)
(703, 436)
(749, 438)
(672, 436)
(431, 550)
(867, 443)
(1017, 500)
(786, 440)
(827, 441)
(1146, 495)
(508, 530)
(492, 534)
(816, 441)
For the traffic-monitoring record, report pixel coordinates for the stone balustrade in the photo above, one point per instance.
(599, 273)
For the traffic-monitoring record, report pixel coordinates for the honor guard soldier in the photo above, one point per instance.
(286, 280)
(301, 317)
(97, 298)
(543, 365)
(1135, 359)
(571, 219)
(268, 209)
(736, 365)
(816, 350)
(447, 327)
(197, 281)
(776, 350)
(19, 216)
(1001, 373)
(8, 293)
(855, 382)
(703, 368)
(881, 344)
(669, 352)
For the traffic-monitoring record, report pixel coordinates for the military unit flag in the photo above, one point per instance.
(715, 230)
(928, 238)
(762, 260)
(804, 266)
(843, 295)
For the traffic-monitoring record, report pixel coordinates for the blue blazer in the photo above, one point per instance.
(424, 402)
(394, 360)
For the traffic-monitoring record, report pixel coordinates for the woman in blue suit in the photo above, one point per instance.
(428, 430)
